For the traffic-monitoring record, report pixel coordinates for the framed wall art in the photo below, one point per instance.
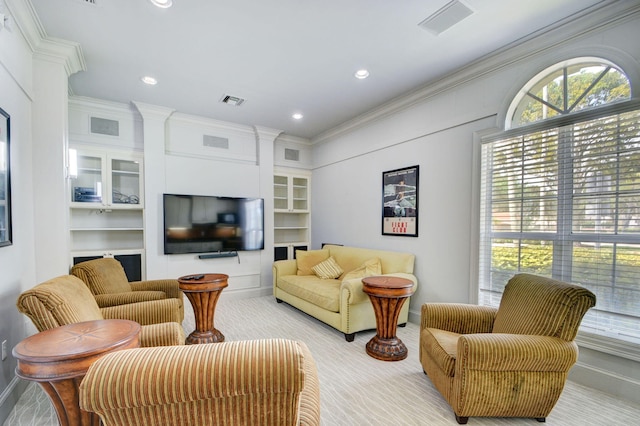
(400, 202)
(5, 181)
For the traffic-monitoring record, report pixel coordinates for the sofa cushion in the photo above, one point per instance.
(349, 258)
(322, 293)
(367, 269)
(328, 269)
(307, 259)
(442, 346)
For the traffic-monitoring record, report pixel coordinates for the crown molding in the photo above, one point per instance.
(149, 111)
(44, 47)
(284, 137)
(608, 13)
(200, 121)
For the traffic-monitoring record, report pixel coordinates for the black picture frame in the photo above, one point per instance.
(400, 190)
(6, 235)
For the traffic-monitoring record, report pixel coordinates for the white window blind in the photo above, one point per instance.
(563, 201)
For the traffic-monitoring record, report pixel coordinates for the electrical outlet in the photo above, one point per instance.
(4, 350)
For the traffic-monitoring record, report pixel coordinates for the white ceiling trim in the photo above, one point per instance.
(608, 13)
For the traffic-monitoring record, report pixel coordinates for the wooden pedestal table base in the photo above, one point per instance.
(203, 293)
(387, 295)
(59, 358)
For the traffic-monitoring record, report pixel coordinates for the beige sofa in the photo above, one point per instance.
(340, 301)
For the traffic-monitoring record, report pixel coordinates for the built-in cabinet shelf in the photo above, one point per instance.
(291, 214)
(106, 180)
(106, 207)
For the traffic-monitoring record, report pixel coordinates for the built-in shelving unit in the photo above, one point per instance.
(106, 207)
(291, 214)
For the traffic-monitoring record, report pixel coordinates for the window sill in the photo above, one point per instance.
(629, 349)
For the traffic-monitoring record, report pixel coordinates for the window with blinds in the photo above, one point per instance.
(561, 198)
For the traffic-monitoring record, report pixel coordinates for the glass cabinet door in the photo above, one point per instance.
(299, 194)
(281, 192)
(125, 181)
(87, 187)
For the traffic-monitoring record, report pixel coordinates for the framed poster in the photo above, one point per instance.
(5, 181)
(400, 202)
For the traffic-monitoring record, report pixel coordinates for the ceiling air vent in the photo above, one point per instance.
(232, 100)
(446, 17)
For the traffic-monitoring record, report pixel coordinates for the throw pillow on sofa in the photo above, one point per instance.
(369, 268)
(328, 269)
(307, 259)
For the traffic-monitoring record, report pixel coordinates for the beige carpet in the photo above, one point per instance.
(357, 389)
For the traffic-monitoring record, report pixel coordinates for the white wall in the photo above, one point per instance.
(437, 128)
(17, 262)
(34, 85)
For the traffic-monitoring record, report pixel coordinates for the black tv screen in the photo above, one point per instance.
(205, 224)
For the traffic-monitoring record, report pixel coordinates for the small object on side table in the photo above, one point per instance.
(59, 358)
(203, 291)
(387, 295)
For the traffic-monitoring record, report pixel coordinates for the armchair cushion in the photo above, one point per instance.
(102, 276)
(442, 346)
(114, 299)
(145, 313)
(169, 287)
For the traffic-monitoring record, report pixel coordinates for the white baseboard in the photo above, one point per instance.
(9, 397)
(606, 381)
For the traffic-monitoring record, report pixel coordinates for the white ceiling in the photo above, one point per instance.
(282, 56)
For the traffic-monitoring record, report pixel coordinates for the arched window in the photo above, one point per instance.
(567, 88)
(561, 191)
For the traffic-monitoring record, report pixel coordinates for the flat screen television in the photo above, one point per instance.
(206, 224)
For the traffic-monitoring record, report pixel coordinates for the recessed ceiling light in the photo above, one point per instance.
(162, 3)
(297, 116)
(362, 74)
(149, 80)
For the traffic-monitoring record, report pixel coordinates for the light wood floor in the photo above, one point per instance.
(357, 389)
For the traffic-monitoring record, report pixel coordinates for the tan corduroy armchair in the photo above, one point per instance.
(255, 382)
(66, 300)
(108, 282)
(511, 361)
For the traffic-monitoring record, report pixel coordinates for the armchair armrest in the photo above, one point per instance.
(259, 379)
(114, 299)
(169, 286)
(283, 268)
(145, 313)
(457, 317)
(514, 352)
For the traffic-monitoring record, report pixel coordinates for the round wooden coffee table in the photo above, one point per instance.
(59, 358)
(203, 291)
(387, 295)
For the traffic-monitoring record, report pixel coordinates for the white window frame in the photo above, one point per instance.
(627, 348)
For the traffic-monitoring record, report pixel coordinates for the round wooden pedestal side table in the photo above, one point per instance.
(203, 291)
(387, 295)
(59, 358)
